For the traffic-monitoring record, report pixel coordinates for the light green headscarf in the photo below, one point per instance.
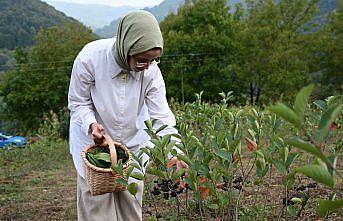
(137, 32)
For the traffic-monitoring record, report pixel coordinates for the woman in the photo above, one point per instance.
(115, 86)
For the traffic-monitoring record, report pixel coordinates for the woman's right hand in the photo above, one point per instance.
(98, 133)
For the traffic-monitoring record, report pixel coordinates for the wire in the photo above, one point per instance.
(65, 61)
(36, 63)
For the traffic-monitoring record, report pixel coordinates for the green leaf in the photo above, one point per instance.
(165, 140)
(122, 181)
(178, 174)
(328, 206)
(155, 172)
(148, 124)
(222, 153)
(333, 162)
(327, 118)
(153, 122)
(296, 200)
(103, 156)
(178, 136)
(283, 154)
(129, 171)
(173, 152)
(301, 101)
(238, 114)
(156, 142)
(261, 173)
(220, 138)
(218, 124)
(280, 167)
(291, 158)
(321, 104)
(317, 173)
(117, 168)
(136, 165)
(181, 147)
(213, 206)
(332, 196)
(287, 114)
(185, 159)
(259, 154)
(297, 142)
(161, 128)
(252, 134)
(290, 179)
(152, 218)
(254, 112)
(145, 150)
(292, 211)
(132, 188)
(137, 176)
(261, 163)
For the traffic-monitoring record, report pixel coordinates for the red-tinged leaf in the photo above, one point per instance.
(202, 180)
(250, 144)
(204, 192)
(332, 126)
(234, 158)
(172, 162)
(220, 185)
(182, 184)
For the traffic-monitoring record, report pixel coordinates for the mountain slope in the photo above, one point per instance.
(20, 20)
(93, 15)
(160, 11)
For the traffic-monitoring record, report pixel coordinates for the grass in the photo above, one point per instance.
(38, 182)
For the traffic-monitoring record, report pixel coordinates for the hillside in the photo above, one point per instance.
(92, 15)
(160, 11)
(20, 20)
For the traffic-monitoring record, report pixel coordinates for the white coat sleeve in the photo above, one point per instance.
(79, 97)
(158, 107)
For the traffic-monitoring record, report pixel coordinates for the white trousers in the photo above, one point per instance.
(120, 206)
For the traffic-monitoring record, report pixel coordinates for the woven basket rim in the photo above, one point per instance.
(105, 170)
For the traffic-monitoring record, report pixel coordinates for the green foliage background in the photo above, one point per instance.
(20, 21)
(263, 51)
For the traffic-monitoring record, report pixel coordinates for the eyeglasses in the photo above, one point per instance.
(144, 64)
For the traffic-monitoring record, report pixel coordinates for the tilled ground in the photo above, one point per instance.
(51, 195)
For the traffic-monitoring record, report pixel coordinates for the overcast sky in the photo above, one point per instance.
(135, 3)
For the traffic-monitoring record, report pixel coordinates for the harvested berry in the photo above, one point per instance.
(238, 179)
(312, 185)
(156, 191)
(289, 202)
(301, 188)
(166, 196)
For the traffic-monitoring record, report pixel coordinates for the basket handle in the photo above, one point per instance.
(113, 152)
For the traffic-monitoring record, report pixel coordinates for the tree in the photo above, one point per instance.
(332, 56)
(199, 45)
(273, 56)
(41, 84)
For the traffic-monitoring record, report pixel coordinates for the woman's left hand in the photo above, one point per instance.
(179, 164)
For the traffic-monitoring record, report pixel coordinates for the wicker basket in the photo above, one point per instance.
(103, 180)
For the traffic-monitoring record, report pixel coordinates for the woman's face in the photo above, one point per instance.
(141, 61)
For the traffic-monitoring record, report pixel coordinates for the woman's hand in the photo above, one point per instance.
(178, 163)
(98, 133)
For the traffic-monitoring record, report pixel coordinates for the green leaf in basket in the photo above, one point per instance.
(90, 158)
(103, 156)
(132, 188)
